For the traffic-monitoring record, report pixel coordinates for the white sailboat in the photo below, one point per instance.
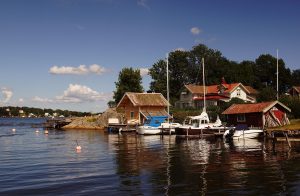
(196, 125)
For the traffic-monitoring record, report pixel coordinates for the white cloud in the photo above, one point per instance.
(69, 70)
(97, 69)
(196, 31)
(80, 70)
(144, 71)
(78, 93)
(143, 3)
(7, 94)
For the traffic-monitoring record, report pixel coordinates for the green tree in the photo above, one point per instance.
(266, 71)
(111, 104)
(178, 74)
(185, 67)
(296, 77)
(266, 94)
(129, 80)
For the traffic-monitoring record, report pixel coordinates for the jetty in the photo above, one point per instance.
(56, 123)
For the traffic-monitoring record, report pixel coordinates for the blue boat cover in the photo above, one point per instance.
(155, 121)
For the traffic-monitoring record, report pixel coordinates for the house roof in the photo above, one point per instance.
(297, 88)
(253, 108)
(214, 89)
(144, 99)
(251, 90)
(197, 89)
(147, 113)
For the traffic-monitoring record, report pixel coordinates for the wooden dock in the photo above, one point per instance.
(283, 135)
(119, 128)
(57, 123)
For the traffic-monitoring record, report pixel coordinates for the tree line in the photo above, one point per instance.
(185, 67)
(38, 112)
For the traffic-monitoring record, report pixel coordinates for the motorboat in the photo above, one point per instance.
(243, 131)
(199, 125)
(152, 125)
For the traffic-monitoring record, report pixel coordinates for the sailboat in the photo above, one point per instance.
(159, 124)
(200, 125)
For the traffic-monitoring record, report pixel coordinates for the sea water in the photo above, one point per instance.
(35, 163)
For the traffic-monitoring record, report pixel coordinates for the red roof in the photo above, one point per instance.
(253, 108)
(214, 89)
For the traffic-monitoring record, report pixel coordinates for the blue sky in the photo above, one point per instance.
(67, 54)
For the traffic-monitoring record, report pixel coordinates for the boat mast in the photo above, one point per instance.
(277, 73)
(168, 87)
(204, 102)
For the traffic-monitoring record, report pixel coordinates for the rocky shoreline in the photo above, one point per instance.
(98, 122)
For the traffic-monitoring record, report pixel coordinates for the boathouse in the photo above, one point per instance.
(263, 115)
(137, 107)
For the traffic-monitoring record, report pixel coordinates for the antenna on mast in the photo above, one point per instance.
(277, 73)
(203, 73)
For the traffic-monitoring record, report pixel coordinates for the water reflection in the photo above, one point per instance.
(130, 164)
(199, 166)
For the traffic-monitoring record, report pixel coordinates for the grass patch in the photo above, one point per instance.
(294, 125)
(91, 119)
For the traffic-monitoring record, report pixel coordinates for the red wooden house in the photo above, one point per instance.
(266, 114)
(138, 106)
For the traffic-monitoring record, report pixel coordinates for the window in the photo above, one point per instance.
(131, 115)
(238, 92)
(241, 118)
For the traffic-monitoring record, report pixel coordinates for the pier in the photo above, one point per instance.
(56, 123)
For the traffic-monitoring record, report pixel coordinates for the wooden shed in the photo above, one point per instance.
(137, 107)
(263, 115)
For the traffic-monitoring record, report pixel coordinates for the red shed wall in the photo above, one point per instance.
(252, 120)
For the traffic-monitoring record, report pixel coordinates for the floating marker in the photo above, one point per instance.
(37, 131)
(46, 132)
(13, 130)
(78, 148)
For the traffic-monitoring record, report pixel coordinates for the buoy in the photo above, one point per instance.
(78, 148)
(13, 130)
(46, 132)
(37, 131)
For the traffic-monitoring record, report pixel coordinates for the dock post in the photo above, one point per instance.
(201, 133)
(287, 139)
(273, 140)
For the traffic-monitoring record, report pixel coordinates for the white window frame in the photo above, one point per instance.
(238, 92)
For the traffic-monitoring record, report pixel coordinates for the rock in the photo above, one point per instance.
(94, 122)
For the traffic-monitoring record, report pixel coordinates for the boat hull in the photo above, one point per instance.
(148, 130)
(199, 131)
(247, 134)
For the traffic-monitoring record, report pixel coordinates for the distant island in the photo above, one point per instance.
(11, 111)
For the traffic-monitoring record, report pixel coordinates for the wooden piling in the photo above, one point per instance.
(287, 139)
